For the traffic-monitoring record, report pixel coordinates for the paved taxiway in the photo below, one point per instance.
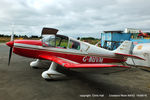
(20, 82)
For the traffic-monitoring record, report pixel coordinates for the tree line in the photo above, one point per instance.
(21, 36)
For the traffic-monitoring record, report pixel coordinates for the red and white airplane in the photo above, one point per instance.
(142, 34)
(68, 52)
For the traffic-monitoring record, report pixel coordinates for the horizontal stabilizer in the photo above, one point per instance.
(125, 50)
(131, 56)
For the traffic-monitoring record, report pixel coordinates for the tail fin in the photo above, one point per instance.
(125, 50)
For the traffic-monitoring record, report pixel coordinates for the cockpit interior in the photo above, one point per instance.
(60, 41)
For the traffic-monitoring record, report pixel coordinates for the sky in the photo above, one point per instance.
(73, 17)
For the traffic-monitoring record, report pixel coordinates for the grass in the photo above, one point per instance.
(6, 39)
(91, 41)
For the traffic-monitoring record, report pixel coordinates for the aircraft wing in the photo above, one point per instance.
(69, 64)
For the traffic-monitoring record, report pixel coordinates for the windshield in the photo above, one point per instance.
(49, 41)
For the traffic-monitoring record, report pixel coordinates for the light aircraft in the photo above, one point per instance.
(68, 52)
(143, 34)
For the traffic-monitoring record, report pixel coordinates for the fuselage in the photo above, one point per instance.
(86, 54)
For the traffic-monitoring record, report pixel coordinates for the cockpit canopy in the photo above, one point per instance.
(60, 41)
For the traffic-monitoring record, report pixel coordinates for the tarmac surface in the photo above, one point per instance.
(21, 82)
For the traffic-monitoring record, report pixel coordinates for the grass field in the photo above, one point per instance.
(91, 41)
(6, 39)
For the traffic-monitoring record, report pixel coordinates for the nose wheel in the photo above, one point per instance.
(39, 64)
(35, 64)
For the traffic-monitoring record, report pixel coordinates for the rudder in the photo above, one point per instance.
(124, 48)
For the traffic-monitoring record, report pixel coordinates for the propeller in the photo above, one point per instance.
(11, 45)
(10, 53)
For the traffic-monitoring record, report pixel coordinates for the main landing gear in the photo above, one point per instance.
(51, 73)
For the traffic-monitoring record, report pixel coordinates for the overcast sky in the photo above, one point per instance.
(73, 17)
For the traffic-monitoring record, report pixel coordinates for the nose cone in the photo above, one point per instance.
(10, 44)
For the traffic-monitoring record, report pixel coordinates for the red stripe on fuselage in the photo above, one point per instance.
(30, 42)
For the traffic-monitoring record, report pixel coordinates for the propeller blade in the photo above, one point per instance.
(12, 35)
(11, 47)
(10, 53)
